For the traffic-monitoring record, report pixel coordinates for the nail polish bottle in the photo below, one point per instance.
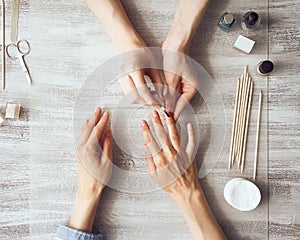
(226, 21)
(264, 67)
(251, 20)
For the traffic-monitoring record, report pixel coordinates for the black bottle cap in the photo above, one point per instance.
(251, 18)
(266, 67)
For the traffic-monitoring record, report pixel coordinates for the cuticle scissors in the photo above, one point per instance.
(18, 50)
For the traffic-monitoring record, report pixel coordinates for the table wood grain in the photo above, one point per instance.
(38, 170)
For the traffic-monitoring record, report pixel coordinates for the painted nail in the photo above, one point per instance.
(167, 114)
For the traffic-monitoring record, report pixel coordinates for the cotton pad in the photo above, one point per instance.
(244, 44)
(12, 111)
(242, 194)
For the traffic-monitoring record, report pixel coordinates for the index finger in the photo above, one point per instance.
(141, 85)
(88, 126)
(149, 139)
(173, 132)
(183, 100)
(98, 129)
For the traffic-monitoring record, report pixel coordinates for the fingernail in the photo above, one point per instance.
(105, 114)
(154, 114)
(143, 123)
(167, 114)
(190, 126)
(108, 133)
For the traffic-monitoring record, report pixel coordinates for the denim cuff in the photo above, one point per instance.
(66, 233)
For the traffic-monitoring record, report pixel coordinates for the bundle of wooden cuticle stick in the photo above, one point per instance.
(241, 119)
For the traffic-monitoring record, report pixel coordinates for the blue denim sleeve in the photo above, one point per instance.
(66, 233)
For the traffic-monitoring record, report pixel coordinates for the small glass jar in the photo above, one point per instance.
(251, 20)
(264, 68)
(226, 21)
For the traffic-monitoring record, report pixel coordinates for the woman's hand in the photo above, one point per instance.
(170, 164)
(185, 84)
(126, 39)
(94, 158)
(140, 63)
(182, 86)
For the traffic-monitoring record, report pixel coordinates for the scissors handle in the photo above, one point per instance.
(11, 50)
(23, 46)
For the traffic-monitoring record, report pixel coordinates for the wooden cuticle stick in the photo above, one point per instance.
(242, 113)
(3, 45)
(244, 119)
(236, 140)
(247, 127)
(234, 123)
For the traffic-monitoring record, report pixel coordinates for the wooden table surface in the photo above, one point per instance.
(38, 169)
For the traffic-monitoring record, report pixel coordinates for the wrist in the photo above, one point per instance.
(193, 205)
(129, 41)
(91, 194)
(188, 196)
(178, 41)
(84, 211)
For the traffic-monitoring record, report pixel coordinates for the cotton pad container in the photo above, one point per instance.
(242, 194)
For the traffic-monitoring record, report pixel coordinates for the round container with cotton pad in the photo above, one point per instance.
(242, 194)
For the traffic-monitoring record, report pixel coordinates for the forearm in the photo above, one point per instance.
(199, 217)
(84, 211)
(187, 18)
(116, 23)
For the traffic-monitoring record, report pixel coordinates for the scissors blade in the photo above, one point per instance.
(25, 68)
(14, 21)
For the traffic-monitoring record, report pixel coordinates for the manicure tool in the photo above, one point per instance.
(3, 44)
(21, 48)
(14, 21)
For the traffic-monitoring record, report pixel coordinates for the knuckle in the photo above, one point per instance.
(133, 99)
(144, 91)
(174, 135)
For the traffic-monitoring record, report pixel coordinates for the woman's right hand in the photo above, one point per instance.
(173, 168)
(139, 63)
(126, 39)
(171, 165)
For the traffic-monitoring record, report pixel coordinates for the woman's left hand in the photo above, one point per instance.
(94, 157)
(182, 81)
